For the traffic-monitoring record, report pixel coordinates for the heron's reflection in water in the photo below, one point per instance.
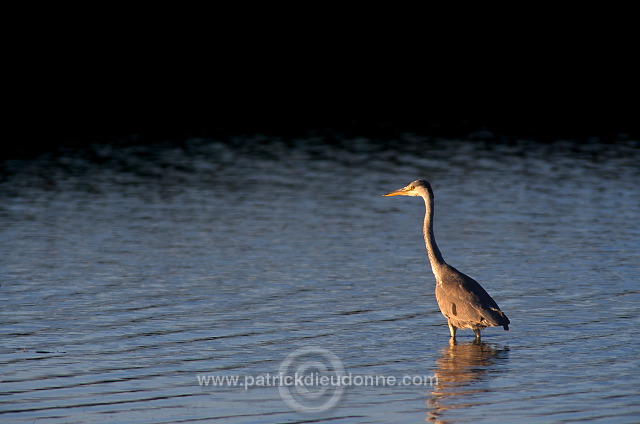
(457, 369)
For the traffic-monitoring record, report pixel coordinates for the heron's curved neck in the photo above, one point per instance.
(435, 257)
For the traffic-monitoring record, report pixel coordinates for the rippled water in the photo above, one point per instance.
(129, 271)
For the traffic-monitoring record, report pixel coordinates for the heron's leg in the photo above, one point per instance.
(452, 330)
(477, 333)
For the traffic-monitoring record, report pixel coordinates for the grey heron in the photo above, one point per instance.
(461, 299)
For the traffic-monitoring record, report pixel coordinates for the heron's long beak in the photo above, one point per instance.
(399, 192)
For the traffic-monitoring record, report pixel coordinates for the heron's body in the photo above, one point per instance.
(461, 299)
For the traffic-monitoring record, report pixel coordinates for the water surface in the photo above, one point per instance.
(128, 271)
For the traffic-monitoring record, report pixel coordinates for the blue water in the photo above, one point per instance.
(128, 271)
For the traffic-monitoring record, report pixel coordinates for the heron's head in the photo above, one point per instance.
(416, 188)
